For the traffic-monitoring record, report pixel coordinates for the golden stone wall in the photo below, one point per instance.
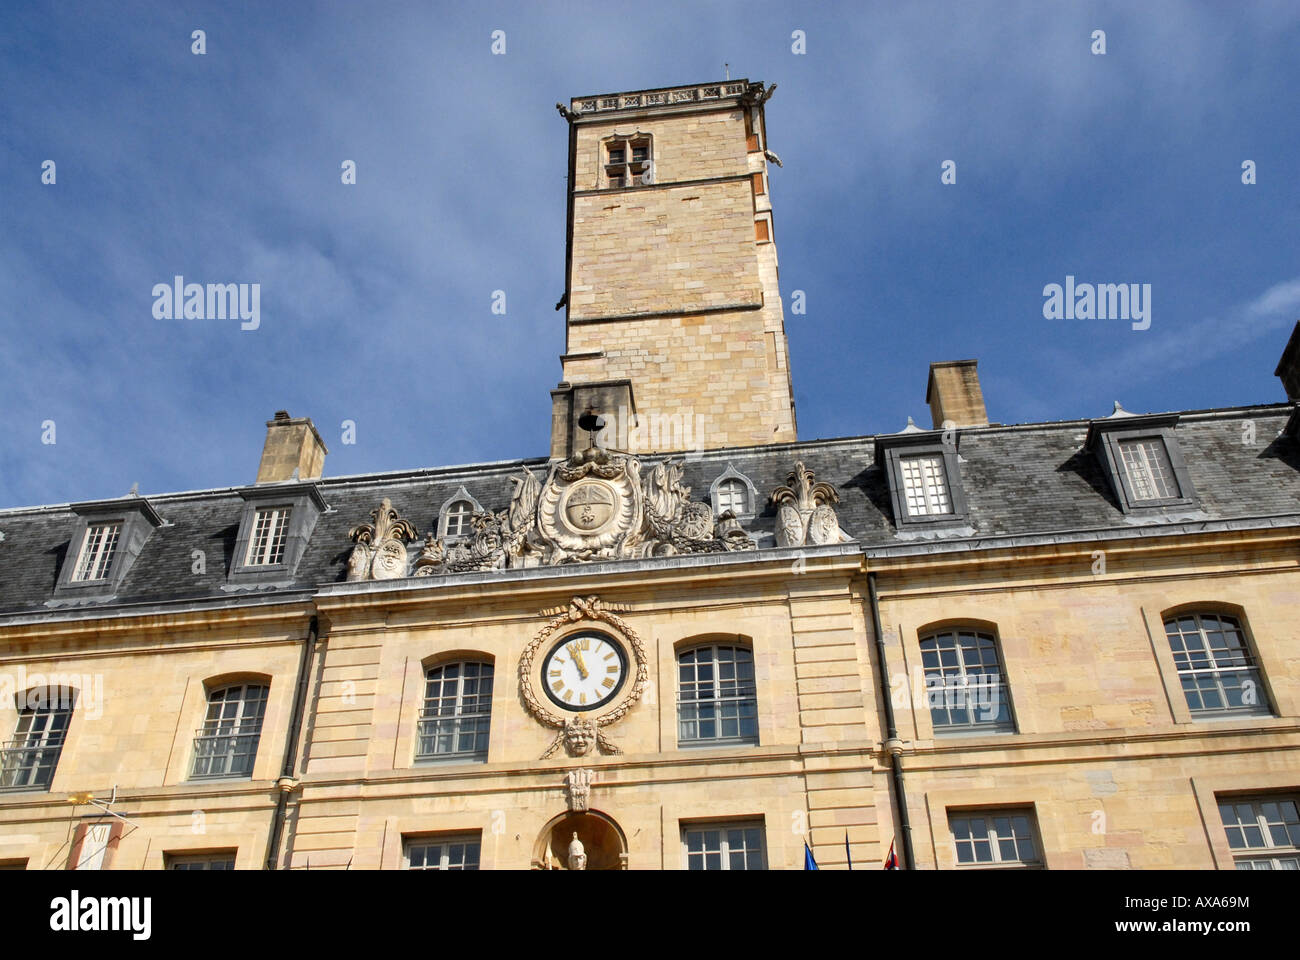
(674, 286)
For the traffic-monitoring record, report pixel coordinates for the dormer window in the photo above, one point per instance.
(628, 161)
(735, 492)
(276, 524)
(97, 550)
(458, 515)
(455, 518)
(1150, 474)
(924, 478)
(103, 545)
(270, 528)
(731, 496)
(1140, 457)
(925, 486)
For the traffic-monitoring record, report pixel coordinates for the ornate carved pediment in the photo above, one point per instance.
(805, 511)
(594, 506)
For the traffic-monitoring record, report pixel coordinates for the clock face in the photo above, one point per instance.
(584, 670)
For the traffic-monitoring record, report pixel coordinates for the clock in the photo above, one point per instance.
(584, 670)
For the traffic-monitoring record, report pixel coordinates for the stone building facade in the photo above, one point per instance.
(1062, 645)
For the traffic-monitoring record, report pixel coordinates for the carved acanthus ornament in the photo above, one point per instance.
(577, 784)
(805, 511)
(380, 551)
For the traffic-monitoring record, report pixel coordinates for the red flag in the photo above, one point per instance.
(891, 861)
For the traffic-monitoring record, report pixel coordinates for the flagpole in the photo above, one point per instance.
(848, 854)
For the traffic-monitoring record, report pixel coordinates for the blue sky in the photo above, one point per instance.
(376, 298)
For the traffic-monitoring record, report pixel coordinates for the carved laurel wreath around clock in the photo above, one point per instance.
(579, 609)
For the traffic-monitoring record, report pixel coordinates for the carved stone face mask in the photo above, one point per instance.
(579, 736)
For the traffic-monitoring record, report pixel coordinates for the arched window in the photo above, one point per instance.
(28, 761)
(717, 701)
(1217, 670)
(733, 491)
(457, 715)
(731, 496)
(226, 744)
(965, 685)
(455, 514)
(458, 515)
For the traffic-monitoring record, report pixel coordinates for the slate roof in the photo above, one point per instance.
(1032, 480)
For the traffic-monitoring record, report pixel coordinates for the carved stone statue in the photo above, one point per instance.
(578, 784)
(577, 854)
(806, 512)
(380, 551)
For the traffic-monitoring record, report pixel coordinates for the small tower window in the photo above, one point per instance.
(628, 162)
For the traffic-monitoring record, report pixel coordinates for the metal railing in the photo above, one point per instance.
(228, 754)
(29, 764)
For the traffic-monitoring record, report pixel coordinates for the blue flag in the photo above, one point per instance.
(808, 862)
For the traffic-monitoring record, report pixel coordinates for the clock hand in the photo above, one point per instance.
(577, 659)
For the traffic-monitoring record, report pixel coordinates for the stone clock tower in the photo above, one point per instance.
(675, 332)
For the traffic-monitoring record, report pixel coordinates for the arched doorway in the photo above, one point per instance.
(602, 840)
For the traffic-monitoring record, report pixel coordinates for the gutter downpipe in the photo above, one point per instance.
(287, 784)
(893, 745)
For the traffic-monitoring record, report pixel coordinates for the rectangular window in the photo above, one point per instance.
(224, 860)
(266, 545)
(443, 853)
(1215, 666)
(724, 846)
(27, 762)
(628, 163)
(1264, 832)
(13, 864)
(925, 486)
(994, 838)
(97, 551)
(1150, 474)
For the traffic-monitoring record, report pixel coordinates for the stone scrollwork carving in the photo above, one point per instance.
(380, 551)
(579, 734)
(593, 506)
(676, 524)
(578, 783)
(805, 511)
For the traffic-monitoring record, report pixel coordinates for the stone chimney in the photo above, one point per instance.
(292, 444)
(1288, 368)
(609, 399)
(953, 393)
